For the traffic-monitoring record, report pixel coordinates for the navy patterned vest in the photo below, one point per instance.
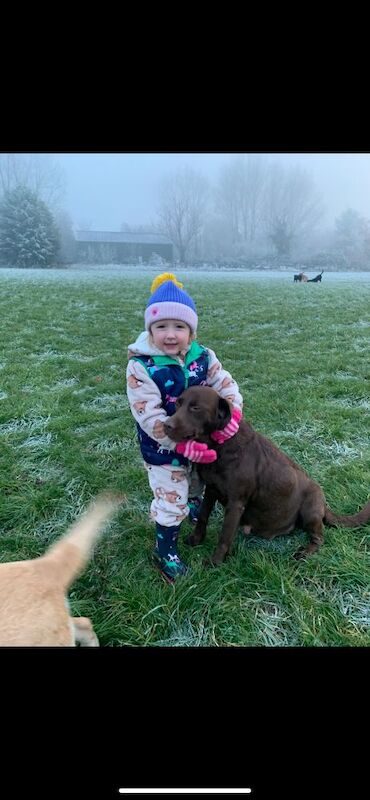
(171, 379)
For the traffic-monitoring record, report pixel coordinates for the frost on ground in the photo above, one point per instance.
(80, 358)
(186, 635)
(345, 376)
(361, 345)
(349, 402)
(46, 355)
(361, 323)
(90, 273)
(110, 445)
(43, 470)
(271, 621)
(37, 442)
(340, 451)
(355, 606)
(19, 425)
(106, 402)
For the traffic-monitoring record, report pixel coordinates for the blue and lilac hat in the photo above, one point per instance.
(169, 301)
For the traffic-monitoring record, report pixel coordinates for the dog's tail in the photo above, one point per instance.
(348, 520)
(67, 557)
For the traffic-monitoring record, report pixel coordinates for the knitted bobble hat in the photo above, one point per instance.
(169, 301)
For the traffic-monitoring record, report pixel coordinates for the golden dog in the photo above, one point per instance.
(33, 605)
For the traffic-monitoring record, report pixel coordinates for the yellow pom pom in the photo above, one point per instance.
(166, 276)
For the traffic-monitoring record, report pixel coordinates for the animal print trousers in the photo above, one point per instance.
(172, 487)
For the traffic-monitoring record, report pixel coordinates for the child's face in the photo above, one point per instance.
(171, 335)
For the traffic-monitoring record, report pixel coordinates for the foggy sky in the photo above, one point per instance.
(105, 189)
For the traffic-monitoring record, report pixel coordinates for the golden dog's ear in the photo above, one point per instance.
(223, 413)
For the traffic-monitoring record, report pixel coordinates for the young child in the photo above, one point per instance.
(165, 360)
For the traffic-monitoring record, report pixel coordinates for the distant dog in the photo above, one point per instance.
(317, 279)
(259, 486)
(33, 605)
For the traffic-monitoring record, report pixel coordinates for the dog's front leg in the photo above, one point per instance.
(205, 510)
(233, 513)
(84, 632)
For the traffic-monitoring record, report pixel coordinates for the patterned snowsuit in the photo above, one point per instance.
(154, 381)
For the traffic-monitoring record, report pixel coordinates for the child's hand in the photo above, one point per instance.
(196, 451)
(230, 429)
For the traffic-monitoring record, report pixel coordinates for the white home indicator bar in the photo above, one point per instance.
(185, 791)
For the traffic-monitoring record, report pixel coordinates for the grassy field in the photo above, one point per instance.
(300, 355)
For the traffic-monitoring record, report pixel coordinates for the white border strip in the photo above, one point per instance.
(185, 791)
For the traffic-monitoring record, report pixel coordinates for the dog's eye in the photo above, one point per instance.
(194, 408)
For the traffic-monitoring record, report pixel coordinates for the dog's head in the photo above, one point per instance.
(199, 411)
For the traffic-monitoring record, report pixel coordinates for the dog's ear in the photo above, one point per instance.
(223, 413)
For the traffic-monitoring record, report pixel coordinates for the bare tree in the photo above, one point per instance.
(228, 195)
(292, 207)
(37, 172)
(352, 237)
(182, 208)
(350, 229)
(67, 242)
(239, 196)
(254, 177)
(217, 238)
(12, 172)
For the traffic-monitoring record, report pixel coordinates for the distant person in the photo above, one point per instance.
(164, 360)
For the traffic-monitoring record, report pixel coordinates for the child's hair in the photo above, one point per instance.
(170, 301)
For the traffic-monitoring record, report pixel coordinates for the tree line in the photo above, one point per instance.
(257, 211)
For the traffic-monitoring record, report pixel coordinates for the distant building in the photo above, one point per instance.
(102, 247)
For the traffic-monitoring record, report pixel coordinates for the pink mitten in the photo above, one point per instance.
(230, 429)
(196, 451)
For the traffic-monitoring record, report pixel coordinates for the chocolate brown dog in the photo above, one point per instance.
(258, 485)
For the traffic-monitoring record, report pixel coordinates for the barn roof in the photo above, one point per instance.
(121, 237)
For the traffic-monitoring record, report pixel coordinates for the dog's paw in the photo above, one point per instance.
(300, 553)
(214, 560)
(208, 563)
(192, 540)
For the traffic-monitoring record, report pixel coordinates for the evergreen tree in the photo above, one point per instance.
(28, 234)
